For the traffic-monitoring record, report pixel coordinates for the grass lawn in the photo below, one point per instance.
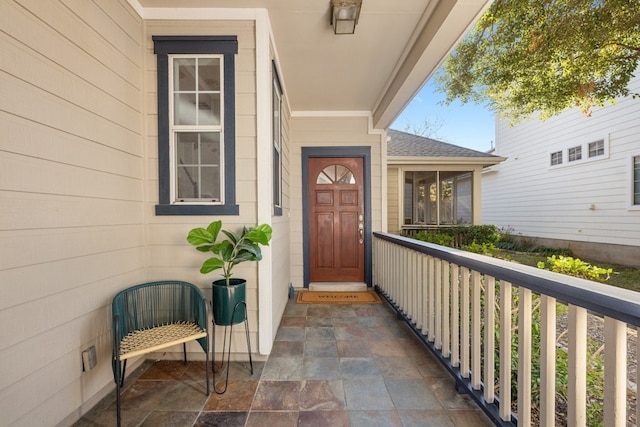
(622, 277)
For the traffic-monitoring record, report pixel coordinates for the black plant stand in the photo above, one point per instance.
(224, 346)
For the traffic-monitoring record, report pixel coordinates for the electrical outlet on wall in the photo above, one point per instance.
(89, 359)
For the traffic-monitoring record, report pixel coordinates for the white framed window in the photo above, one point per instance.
(596, 148)
(277, 142)
(575, 153)
(195, 128)
(635, 181)
(556, 158)
(578, 154)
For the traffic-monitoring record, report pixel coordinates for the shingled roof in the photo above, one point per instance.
(403, 144)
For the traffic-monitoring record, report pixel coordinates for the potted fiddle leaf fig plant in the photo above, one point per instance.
(229, 294)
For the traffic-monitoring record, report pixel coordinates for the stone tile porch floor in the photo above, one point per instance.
(331, 365)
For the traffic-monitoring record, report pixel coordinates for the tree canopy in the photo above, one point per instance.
(528, 56)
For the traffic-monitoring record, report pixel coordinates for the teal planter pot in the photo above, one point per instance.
(226, 298)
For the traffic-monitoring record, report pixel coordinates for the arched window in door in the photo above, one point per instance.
(336, 174)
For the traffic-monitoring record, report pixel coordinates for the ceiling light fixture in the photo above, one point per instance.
(344, 15)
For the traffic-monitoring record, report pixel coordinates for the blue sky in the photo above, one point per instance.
(468, 125)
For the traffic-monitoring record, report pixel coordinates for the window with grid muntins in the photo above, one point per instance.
(556, 158)
(277, 142)
(575, 153)
(196, 125)
(636, 180)
(196, 128)
(596, 148)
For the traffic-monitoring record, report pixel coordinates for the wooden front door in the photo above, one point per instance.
(336, 219)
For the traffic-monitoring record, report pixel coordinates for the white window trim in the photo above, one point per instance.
(630, 190)
(550, 158)
(173, 128)
(585, 153)
(575, 147)
(276, 89)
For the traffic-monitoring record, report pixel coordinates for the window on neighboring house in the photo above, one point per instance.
(636, 180)
(277, 143)
(438, 198)
(575, 153)
(556, 158)
(196, 125)
(596, 148)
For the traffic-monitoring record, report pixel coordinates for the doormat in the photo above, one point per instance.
(323, 297)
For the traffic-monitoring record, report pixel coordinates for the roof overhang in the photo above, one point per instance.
(396, 48)
(457, 161)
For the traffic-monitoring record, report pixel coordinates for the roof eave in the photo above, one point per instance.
(431, 160)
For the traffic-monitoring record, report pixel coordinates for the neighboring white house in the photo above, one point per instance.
(572, 181)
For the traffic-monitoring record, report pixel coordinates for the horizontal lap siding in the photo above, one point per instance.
(536, 200)
(71, 192)
(280, 245)
(170, 256)
(394, 210)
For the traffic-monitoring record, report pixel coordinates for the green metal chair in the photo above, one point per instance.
(155, 315)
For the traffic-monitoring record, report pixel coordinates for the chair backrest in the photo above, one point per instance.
(159, 303)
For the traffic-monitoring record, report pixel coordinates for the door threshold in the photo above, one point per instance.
(338, 286)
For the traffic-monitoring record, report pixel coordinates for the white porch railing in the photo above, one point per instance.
(489, 321)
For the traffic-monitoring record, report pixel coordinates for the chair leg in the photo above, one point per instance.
(124, 369)
(206, 370)
(118, 386)
(184, 352)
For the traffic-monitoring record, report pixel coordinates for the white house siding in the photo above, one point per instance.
(576, 204)
(71, 211)
(337, 131)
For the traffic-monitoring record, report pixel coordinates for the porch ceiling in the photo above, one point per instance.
(396, 47)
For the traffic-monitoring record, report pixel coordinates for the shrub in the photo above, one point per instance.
(484, 248)
(576, 267)
(436, 238)
(460, 236)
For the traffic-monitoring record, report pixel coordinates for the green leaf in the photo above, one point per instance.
(260, 234)
(210, 265)
(199, 236)
(244, 256)
(530, 56)
(231, 236)
(225, 248)
(253, 251)
(214, 229)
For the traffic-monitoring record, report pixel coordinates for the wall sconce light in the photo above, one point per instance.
(344, 15)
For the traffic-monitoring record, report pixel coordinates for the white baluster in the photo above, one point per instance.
(476, 377)
(455, 315)
(505, 351)
(524, 357)
(464, 330)
(577, 366)
(489, 338)
(547, 361)
(615, 372)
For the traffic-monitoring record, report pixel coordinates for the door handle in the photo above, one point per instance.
(361, 231)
